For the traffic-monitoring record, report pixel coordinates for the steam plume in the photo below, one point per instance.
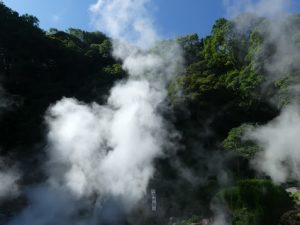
(126, 20)
(8, 180)
(8, 176)
(280, 156)
(106, 152)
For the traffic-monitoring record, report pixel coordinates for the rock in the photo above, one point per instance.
(292, 190)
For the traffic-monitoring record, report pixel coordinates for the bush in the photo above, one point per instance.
(258, 202)
(235, 142)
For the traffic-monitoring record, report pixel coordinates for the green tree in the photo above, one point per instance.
(32, 20)
(191, 46)
(256, 202)
(237, 142)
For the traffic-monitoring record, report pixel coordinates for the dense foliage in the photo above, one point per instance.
(255, 202)
(238, 143)
(38, 68)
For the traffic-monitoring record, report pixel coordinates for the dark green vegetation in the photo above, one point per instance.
(214, 101)
(237, 143)
(255, 202)
(38, 68)
(217, 100)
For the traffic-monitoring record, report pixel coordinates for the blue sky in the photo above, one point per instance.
(172, 17)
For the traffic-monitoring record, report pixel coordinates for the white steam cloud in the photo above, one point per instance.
(8, 183)
(103, 152)
(280, 156)
(280, 141)
(9, 177)
(126, 20)
(107, 149)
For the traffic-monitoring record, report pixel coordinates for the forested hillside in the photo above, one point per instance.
(38, 68)
(224, 92)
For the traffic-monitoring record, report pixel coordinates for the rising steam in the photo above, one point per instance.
(280, 156)
(126, 20)
(9, 176)
(103, 154)
(9, 182)
(279, 139)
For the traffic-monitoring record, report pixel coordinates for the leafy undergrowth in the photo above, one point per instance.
(258, 202)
